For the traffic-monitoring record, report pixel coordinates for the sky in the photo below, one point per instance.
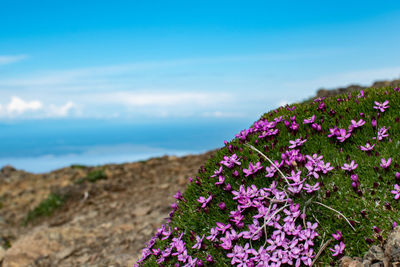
(172, 59)
(141, 62)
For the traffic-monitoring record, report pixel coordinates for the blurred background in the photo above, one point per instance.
(95, 82)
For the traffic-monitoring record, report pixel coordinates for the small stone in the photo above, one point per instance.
(378, 264)
(2, 253)
(356, 264)
(392, 247)
(141, 211)
(345, 261)
(375, 253)
(163, 186)
(349, 262)
(366, 263)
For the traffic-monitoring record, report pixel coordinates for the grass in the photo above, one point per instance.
(45, 208)
(92, 177)
(370, 205)
(78, 166)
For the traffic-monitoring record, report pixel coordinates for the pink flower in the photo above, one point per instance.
(382, 107)
(386, 163)
(204, 201)
(222, 227)
(311, 188)
(199, 240)
(338, 235)
(382, 133)
(343, 135)
(367, 147)
(310, 120)
(297, 142)
(350, 167)
(252, 169)
(396, 191)
(357, 124)
(338, 250)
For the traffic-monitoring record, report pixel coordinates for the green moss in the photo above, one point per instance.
(45, 208)
(92, 177)
(376, 183)
(78, 166)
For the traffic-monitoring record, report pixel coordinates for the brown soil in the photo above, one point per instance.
(105, 223)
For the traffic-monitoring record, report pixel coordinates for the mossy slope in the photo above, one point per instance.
(365, 200)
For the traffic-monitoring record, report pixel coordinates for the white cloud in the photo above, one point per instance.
(60, 111)
(167, 99)
(221, 114)
(11, 59)
(364, 77)
(19, 106)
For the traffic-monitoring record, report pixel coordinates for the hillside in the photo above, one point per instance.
(102, 215)
(307, 183)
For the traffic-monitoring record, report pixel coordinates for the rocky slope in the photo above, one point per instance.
(104, 223)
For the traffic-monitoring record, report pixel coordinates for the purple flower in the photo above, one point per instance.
(217, 172)
(204, 201)
(316, 127)
(297, 142)
(221, 180)
(214, 232)
(230, 161)
(309, 189)
(357, 124)
(385, 163)
(381, 106)
(350, 167)
(343, 135)
(396, 191)
(382, 133)
(338, 235)
(222, 227)
(222, 205)
(367, 147)
(310, 120)
(374, 123)
(178, 195)
(338, 249)
(199, 240)
(252, 169)
(240, 255)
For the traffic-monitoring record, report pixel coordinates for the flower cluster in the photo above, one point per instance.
(270, 224)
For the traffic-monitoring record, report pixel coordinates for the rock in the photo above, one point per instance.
(2, 253)
(7, 170)
(378, 264)
(349, 262)
(141, 211)
(375, 253)
(366, 263)
(392, 247)
(30, 248)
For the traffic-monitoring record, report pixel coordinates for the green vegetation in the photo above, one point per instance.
(78, 166)
(45, 208)
(360, 203)
(92, 177)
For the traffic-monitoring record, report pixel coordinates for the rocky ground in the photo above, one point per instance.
(105, 223)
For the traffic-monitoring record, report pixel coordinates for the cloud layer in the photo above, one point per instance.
(20, 108)
(11, 59)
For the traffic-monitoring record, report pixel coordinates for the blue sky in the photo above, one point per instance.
(169, 60)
